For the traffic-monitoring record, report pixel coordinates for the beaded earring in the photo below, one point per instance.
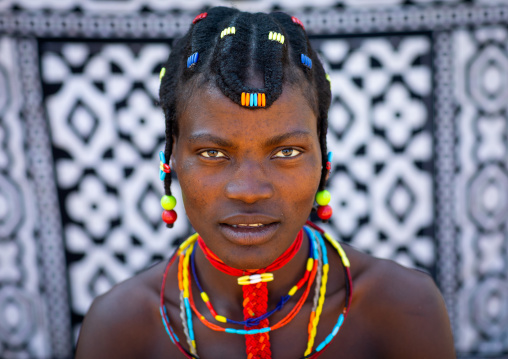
(324, 211)
(167, 202)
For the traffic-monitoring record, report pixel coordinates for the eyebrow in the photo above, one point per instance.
(219, 141)
(275, 140)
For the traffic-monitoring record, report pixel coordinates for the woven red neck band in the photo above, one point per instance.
(280, 262)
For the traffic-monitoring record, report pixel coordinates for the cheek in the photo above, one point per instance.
(300, 187)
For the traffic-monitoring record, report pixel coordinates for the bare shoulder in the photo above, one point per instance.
(119, 322)
(402, 307)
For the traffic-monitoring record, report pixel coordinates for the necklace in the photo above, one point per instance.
(184, 252)
(250, 322)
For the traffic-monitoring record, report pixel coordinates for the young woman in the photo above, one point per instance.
(246, 100)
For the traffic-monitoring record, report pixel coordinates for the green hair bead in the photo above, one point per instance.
(323, 198)
(168, 202)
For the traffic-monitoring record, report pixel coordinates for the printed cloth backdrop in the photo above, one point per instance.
(418, 127)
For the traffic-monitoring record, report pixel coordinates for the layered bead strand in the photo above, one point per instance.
(317, 269)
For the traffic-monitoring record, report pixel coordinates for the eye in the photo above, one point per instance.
(212, 154)
(287, 152)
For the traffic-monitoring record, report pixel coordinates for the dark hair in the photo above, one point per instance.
(228, 61)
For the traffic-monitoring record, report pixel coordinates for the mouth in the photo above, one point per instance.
(249, 230)
(246, 225)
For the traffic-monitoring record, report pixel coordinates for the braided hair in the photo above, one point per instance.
(221, 60)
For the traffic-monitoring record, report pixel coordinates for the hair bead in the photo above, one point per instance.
(324, 212)
(163, 166)
(276, 36)
(306, 61)
(255, 99)
(168, 202)
(192, 59)
(297, 21)
(323, 198)
(162, 73)
(228, 31)
(169, 217)
(199, 17)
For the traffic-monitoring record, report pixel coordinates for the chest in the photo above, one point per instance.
(288, 342)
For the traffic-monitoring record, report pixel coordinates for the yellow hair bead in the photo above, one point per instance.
(293, 290)
(276, 36)
(227, 31)
(162, 73)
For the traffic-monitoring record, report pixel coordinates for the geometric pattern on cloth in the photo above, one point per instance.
(23, 313)
(417, 125)
(107, 132)
(380, 131)
(481, 69)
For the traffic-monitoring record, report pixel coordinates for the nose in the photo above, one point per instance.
(249, 183)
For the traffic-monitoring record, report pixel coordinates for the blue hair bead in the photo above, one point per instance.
(330, 156)
(306, 61)
(162, 157)
(162, 175)
(255, 100)
(251, 100)
(192, 59)
(230, 330)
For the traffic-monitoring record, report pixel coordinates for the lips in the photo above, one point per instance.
(249, 229)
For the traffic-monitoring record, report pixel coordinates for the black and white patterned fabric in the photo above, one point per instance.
(418, 127)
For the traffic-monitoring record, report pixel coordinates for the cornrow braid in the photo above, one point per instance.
(230, 61)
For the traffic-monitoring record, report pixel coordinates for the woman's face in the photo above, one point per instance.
(248, 177)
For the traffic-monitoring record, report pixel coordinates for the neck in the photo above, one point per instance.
(225, 289)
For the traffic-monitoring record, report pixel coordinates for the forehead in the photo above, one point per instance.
(209, 111)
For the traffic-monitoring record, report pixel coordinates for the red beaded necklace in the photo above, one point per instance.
(280, 262)
(255, 296)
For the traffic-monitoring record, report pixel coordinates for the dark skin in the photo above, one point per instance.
(231, 174)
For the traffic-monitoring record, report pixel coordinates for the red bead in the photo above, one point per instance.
(199, 17)
(166, 168)
(328, 166)
(297, 21)
(169, 216)
(324, 212)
